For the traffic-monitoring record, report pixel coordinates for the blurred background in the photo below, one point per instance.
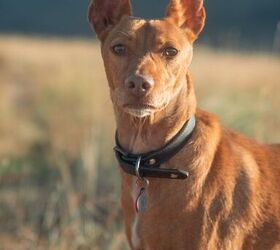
(59, 182)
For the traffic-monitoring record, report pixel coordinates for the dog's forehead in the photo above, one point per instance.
(155, 29)
(132, 24)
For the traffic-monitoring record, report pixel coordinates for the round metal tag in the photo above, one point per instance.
(141, 202)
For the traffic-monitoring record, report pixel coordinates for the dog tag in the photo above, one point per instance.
(141, 202)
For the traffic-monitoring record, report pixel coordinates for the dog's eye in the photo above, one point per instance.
(119, 49)
(170, 52)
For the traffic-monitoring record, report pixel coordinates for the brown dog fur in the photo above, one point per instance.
(231, 200)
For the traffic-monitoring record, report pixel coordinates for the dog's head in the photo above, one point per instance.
(146, 61)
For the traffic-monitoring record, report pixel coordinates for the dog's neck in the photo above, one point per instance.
(140, 135)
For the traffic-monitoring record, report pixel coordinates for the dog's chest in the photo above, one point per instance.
(164, 215)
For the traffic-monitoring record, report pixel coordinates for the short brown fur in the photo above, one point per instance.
(232, 197)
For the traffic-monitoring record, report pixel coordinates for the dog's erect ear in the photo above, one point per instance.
(104, 14)
(187, 14)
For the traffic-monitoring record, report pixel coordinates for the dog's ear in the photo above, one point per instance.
(104, 14)
(188, 15)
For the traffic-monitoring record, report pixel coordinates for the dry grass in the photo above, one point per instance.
(58, 183)
(60, 80)
(242, 88)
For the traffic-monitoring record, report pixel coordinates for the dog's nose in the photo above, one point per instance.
(138, 84)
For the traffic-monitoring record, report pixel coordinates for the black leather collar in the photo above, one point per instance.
(148, 164)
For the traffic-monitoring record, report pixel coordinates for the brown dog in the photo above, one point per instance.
(231, 199)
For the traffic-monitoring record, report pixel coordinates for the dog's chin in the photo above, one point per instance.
(142, 110)
(139, 112)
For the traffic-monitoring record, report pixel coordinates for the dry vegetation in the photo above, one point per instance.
(58, 178)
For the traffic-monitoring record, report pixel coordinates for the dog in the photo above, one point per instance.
(186, 182)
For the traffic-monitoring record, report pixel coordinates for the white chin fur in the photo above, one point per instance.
(140, 113)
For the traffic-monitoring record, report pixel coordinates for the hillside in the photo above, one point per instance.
(234, 23)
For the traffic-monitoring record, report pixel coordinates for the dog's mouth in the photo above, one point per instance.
(139, 110)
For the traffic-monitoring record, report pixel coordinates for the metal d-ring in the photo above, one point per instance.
(137, 168)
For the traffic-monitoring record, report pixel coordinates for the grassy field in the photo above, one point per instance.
(59, 184)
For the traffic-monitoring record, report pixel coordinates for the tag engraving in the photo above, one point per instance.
(141, 202)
